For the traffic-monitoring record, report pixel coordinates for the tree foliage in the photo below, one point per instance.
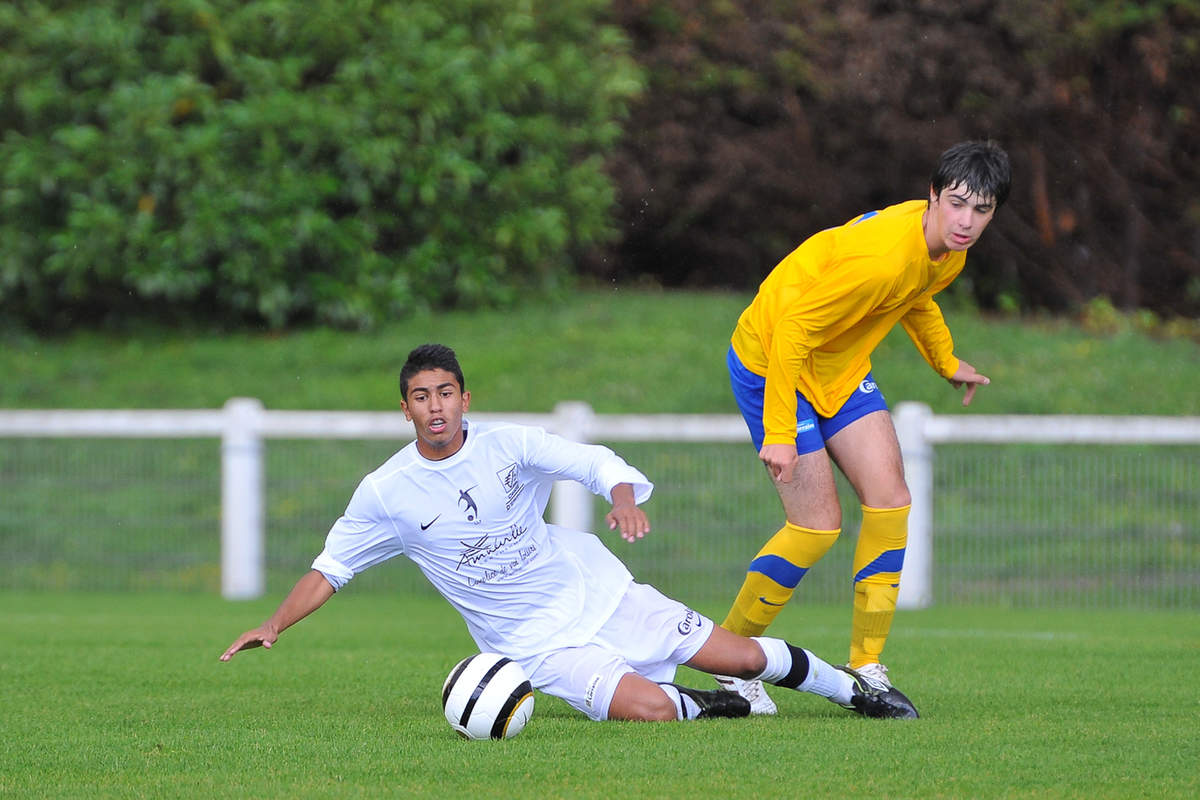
(267, 161)
(766, 121)
(270, 161)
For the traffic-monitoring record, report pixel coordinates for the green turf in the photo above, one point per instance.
(622, 351)
(121, 695)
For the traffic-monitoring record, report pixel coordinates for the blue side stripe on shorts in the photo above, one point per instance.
(888, 561)
(778, 569)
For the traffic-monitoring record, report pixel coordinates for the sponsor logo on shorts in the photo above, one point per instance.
(691, 622)
(589, 696)
(867, 386)
(805, 425)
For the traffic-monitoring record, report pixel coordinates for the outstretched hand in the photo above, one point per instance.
(309, 594)
(261, 636)
(967, 376)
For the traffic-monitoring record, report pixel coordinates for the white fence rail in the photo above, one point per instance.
(243, 425)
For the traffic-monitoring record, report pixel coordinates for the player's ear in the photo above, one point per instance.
(404, 408)
(466, 401)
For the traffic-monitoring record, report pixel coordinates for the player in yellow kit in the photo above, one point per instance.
(800, 368)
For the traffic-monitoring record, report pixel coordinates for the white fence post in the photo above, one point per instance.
(244, 425)
(916, 583)
(242, 526)
(571, 502)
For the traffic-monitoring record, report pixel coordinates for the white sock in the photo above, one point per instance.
(822, 679)
(685, 707)
(779, 658)
(826, 681)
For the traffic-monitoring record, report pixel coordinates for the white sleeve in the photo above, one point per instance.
(593, 465)
(362, 537)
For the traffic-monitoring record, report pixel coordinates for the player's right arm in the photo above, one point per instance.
(309, 594)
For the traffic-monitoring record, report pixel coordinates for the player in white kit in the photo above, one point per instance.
(465, 502)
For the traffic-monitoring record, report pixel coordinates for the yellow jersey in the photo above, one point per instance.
(822, 310)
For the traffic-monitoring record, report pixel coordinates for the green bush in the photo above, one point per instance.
(340, 161)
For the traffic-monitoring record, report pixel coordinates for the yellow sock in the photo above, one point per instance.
(878, 559)
(773, 575)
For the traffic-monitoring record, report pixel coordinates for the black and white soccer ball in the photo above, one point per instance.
(487, 696)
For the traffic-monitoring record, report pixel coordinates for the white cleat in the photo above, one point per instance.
(753, 691)
(875, 675)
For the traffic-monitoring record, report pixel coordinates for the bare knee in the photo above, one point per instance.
(896, 497)
(726, 653)
(884, 491)
(659, 709)
(751, 660)
(641, 700)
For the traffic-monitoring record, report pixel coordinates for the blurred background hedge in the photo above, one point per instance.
(282, 163)
(765, 121)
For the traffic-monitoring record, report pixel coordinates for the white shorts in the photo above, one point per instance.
(649, 633)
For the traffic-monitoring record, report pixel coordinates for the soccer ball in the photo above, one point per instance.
(487, 696)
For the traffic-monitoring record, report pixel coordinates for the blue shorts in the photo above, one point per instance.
(812, 430)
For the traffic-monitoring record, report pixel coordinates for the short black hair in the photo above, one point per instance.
(430, 356)
(980, 166)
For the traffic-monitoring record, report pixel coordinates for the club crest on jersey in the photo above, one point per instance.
(511, 485)
(467, 504)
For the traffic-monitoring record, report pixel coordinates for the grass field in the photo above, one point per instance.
(621, 351)
(121, 695)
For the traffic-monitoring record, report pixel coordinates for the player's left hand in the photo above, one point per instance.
(632, 521)
(967, 376)
(626, 515)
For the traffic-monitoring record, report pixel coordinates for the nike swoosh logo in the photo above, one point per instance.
(761, 599)
(425, 527)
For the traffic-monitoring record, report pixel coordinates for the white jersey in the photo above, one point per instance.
(474, 525)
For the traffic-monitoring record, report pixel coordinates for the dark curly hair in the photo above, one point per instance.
(430, 356)
(980, 166)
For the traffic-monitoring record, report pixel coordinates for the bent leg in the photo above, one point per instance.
(868, 452)
(813, 525)
(773, 575)
(641, 700)
(775, 661)
(728, 653)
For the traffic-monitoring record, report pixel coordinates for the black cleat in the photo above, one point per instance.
(878, 701)
(717, 703)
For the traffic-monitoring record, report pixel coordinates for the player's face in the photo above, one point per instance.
(955, 219)
(435, 405)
